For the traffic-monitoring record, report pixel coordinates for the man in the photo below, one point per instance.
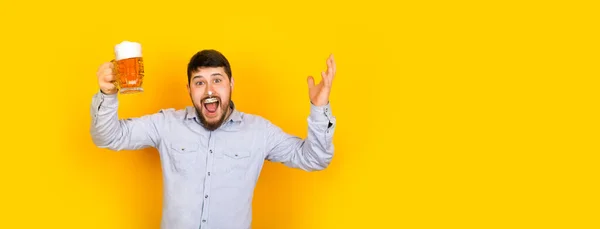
(211, 153)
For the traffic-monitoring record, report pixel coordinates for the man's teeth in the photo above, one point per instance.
(211, 100)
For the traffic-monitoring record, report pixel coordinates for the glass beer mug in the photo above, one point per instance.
(128, 67)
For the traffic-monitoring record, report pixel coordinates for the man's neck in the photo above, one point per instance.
(229, 111)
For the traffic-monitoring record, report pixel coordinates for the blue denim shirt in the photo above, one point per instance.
(209, 176)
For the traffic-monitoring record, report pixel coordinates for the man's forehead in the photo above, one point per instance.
(208, 71)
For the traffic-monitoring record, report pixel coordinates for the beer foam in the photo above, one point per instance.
(128, 49)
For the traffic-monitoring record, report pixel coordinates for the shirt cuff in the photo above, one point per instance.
(320, 113)
(106, 100)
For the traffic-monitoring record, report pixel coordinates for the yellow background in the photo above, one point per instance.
(451, 114)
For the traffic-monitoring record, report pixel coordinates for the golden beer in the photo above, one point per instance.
(129, 67)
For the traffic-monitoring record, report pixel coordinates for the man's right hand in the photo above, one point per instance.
(106, 79)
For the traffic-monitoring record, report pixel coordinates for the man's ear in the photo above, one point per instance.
(188, 88)
(231, 83)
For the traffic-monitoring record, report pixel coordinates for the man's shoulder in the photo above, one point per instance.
(172, 113)
(255, 119)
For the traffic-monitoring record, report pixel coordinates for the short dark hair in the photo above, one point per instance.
(208, 58)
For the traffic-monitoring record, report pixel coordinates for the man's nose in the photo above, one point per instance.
(210, 89)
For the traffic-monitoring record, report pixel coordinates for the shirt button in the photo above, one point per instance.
(211, 151)
(206, 196)
(209, 173)
(204, 221)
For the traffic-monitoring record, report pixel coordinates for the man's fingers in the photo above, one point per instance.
(329, 66)
(108, 87)
(109, 77)
(311, 82)
(107, 71)
(330, 69)
(104, 66)
(333, 64)
(325, 78)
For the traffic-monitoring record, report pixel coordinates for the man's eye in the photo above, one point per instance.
(217, 80)
(199, 83)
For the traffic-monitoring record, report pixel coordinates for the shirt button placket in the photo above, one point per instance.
(207, 184)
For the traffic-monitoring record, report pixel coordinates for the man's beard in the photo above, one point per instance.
(214, 125)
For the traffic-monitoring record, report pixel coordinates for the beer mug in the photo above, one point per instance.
(128, 67)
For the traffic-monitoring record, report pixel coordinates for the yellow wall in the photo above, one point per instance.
(451, 114)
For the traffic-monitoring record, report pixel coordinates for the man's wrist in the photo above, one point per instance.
(111, 92)
(107, 100)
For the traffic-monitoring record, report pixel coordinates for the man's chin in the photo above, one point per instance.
(211, 122)
(211, 125)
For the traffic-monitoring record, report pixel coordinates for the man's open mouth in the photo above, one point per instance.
(211, 104)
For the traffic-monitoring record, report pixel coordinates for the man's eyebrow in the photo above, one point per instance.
(200, 76)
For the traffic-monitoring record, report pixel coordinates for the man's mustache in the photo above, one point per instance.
(210, 96)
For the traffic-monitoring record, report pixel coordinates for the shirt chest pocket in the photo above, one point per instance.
(183, 156)
(234, 163)
(237, 154)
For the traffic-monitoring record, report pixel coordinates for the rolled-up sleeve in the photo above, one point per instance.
(315, 152)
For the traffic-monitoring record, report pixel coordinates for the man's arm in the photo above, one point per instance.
(310, 154)
(108, 131)
(316, 151)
